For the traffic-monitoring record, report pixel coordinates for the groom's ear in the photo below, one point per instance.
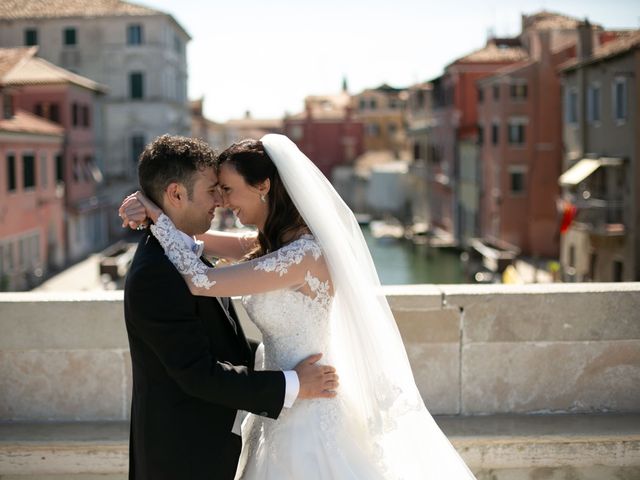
(175, 194)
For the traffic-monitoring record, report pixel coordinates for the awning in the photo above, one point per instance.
(584, 168)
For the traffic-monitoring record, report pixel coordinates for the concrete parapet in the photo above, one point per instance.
(474, 349)
(532, 447)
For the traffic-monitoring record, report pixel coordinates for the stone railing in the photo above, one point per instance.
(475, 350)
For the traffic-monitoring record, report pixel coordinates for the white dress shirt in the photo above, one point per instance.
(292, 383)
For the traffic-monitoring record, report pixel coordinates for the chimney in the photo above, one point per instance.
(585, 40)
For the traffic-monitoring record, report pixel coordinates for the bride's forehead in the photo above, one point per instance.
(227, 174)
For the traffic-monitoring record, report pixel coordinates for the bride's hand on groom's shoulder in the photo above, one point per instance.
(316, 380)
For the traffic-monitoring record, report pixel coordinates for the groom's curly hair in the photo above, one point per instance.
(172, 159)
(250, 159)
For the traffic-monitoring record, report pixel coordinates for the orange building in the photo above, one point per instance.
(520, 120)
(452, 133)
(382, 111)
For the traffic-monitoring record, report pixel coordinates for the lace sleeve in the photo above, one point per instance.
(287, 267)
(179, 253)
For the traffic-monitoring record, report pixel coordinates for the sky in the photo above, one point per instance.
(265, 56)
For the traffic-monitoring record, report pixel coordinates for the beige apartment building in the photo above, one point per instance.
(137, 52)
(601, 176)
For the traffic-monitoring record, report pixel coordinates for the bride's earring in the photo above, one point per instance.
(263, 198)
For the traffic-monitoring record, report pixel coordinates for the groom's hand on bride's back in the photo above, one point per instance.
(316, 381)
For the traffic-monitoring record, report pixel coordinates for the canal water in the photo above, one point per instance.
(399, 262)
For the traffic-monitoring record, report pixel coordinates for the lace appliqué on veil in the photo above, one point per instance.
(288, 255)
(185, 261)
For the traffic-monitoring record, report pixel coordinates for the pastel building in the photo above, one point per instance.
(68, 100)
(600, 178)
(139, 53)
(327, 131)
(32, 233)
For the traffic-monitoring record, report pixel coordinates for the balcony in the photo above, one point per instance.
(536, 381)
(604, 218)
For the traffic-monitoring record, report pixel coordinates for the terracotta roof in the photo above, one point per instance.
(546, 20)
(24, 122)
(17, 9)
(627, 40)
(493, 53)
(32, 70)
(10, 57)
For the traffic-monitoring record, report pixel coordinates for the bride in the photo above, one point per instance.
(309, 284)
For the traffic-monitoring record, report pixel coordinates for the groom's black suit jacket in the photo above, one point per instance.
(192, 370)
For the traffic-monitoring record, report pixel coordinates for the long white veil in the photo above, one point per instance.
(376, 380)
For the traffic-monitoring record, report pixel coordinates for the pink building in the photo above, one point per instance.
(452, 133)
(68, 100)
(32, 239)
(327, 131)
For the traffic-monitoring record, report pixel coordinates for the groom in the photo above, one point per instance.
(192, 364)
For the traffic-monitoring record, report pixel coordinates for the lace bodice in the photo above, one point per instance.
(293, 325)
(287, 293)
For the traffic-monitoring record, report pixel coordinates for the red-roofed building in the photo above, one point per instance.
(68, 100)
(32, 238)
(327, 131)
(520, 117)
(452, 150)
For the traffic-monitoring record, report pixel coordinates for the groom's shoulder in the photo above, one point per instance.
(149, 260)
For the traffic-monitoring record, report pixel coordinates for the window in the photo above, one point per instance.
(617, 271)
(44, 179)
(54, 113)
(134, 35)
(518, 91)
(11, 173)
(48, 110)
(392, 128)
(30, 37)
(517, 179)
(480, 95)
(136, 85)
(76, 169)
(363, 104)
(88, 168)
(28, 171)
(7, 106)
(516, 134)
(86, 116)
(137, 146)
(69, 36)
(177, 44)
(496, 92)
(495, 130)
(593, 104)
(373, 129)
(297, 132)
(480, 134)
(75, 115)
(571, 106)
(59, 168)
(373, 104)
(620, 99)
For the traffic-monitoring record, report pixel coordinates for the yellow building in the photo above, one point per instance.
(382, 111)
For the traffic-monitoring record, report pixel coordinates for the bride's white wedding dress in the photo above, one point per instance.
(321, 293)
(315, 439)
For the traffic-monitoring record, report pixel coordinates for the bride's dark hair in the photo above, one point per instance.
(284, 222)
